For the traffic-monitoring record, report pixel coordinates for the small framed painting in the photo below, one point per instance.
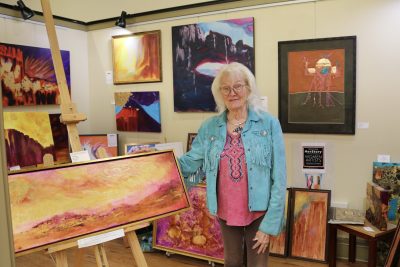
(309, 220)
(100, 146)
(137, 57)
(317, 85)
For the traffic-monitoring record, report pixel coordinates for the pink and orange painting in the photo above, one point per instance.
(194, 232)
(137, 57)
(309, 222)
(69, 202)
(28, 138)
(98, 147)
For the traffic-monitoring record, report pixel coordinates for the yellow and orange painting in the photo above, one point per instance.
(54, 205)
(28, 138)
(137, 57)
(309, 223)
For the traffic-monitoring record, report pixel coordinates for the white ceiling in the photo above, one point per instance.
(91, 10)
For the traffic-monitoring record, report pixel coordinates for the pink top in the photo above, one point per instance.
(233, 195)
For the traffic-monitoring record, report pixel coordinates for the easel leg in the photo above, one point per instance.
(61, 258)
(136, 250)
(101, 257)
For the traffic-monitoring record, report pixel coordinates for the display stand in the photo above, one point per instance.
(71, 117)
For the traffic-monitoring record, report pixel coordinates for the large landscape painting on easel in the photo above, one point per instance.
(63, 203)
(28, 77)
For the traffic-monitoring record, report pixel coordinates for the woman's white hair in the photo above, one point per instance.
(237, 69)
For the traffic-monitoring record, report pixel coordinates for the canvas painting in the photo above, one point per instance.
(27, 75)
(137, 57)
(309, 213)
(144, 148)
(53, 205)
(98, 146)
(60, 137)
(377, 206)
(195, 232)
(199, 51)
(138, 111)
(131, 149)
(387, 175)
(28, 138)
(279, 244)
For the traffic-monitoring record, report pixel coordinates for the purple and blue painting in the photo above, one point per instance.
(28, 77)
(138, 111)
(199, 52)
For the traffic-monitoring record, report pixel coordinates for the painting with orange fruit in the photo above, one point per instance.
(195, 232)
(49, 206)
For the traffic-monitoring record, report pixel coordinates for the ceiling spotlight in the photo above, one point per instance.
(121, 21)
(26, 12)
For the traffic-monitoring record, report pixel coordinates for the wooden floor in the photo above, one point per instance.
(120, 256)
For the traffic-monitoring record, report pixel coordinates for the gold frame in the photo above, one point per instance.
(133, 80)
(124, 226)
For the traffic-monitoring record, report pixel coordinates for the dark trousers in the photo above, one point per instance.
(239, 240)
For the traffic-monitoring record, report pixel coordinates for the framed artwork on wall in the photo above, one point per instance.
(317, 85)
(28, 138)
(194, 232)
(309, 221)
(138, 111)
(137, 57)
(199, 51)
(99, 145)
(279, 245)
(68, 202)
(27, 75)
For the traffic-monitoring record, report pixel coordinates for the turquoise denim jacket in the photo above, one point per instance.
(266, 164)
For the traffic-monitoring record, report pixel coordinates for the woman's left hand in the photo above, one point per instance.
(262, 242)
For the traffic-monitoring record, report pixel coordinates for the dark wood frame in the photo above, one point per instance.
(393, 259)
(158, 32)
(190, 139)
(349, 44)
(292, 210)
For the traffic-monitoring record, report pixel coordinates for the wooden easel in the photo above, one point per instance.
(71, 118)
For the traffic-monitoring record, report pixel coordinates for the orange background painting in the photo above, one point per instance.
(300, 80)
(97, 145)
(137, 58)
(310, 223)
(49, 206)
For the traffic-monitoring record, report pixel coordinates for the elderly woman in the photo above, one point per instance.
(242, 153)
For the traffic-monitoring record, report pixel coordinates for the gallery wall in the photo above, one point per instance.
(30, 33)
(350, 157)
(374, 22)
